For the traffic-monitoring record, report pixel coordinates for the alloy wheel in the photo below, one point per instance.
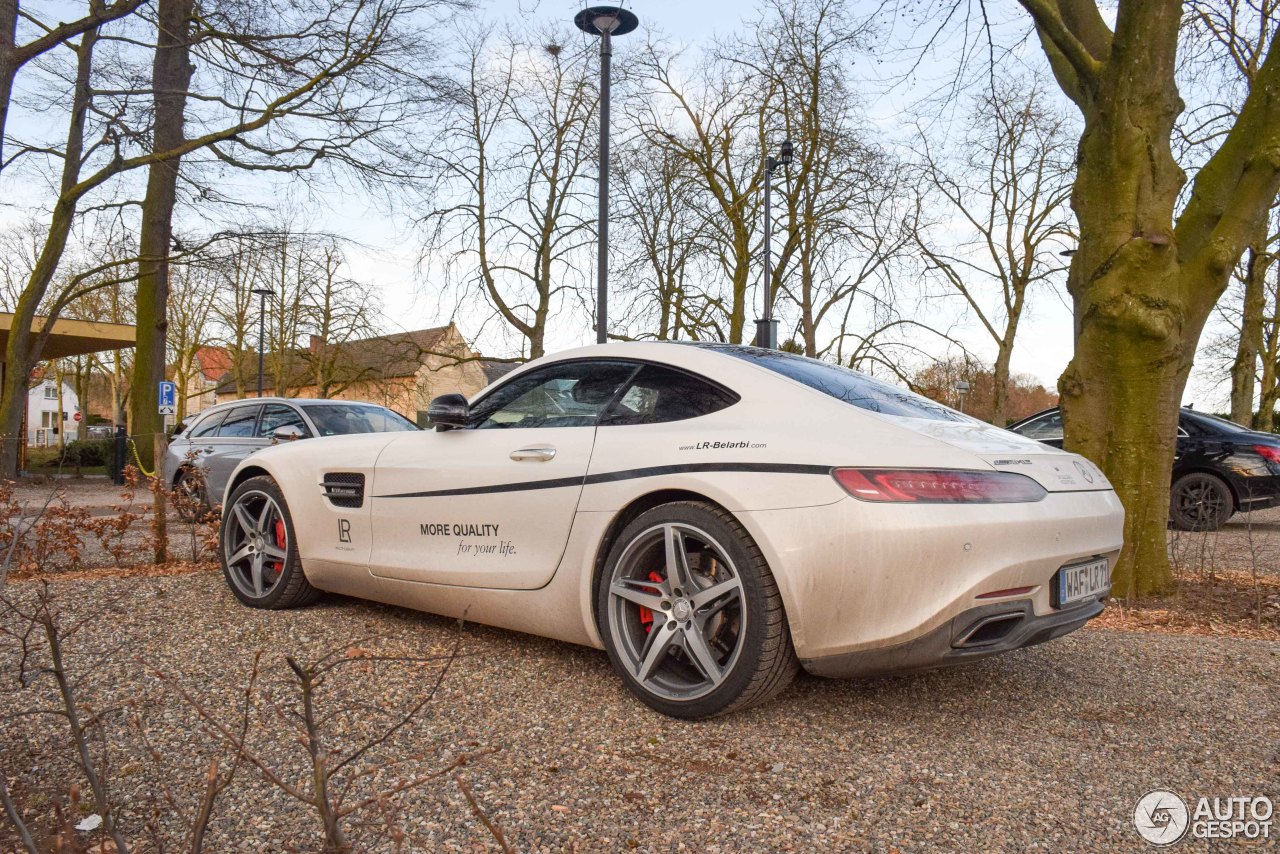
(256, 544)
(1200, 503)
(676, 611)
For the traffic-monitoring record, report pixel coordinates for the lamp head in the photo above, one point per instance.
(598, 20)
(785, 151)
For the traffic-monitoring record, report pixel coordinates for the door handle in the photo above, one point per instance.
(540, 455)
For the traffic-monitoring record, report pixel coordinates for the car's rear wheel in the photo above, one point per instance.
(1200, 502)
(691, 615)
(258, 551)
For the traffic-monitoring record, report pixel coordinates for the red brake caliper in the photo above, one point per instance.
(279, 565)
(646, 615)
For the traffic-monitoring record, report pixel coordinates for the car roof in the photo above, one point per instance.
(296, 401)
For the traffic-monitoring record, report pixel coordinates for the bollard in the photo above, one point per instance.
(118, 456)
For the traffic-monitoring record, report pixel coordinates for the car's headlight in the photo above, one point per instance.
(938, 486)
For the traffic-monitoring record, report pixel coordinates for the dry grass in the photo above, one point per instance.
(146, 570)
(1221, 605)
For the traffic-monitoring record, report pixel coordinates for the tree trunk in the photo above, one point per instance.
(171, 76)
(1244, 369)
(20, 353)
(84, 374)
(8, 61)
(1000, 381)
(1136, 330)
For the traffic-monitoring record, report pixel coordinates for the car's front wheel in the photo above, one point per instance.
(691, 615)
(258, 551)
(1200, 502)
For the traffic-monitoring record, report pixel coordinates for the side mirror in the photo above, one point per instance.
(448, 411)
(288, 433)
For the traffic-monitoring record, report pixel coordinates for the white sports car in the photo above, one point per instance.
(713, 516)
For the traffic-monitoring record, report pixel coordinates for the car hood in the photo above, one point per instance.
(1055, 470)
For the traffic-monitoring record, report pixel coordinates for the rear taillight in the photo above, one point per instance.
(1267, 452)
(938, 486)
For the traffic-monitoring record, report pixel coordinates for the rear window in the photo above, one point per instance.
(846, 384)
(341, 419)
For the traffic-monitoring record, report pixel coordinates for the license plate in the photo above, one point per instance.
(1082, 581)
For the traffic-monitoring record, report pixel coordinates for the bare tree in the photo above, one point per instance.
(284, 89)
(1226, 42)
(512, 156)
(716, 128)
(192, 297)
(1002, 218)
(660, 244)
(1151, 262)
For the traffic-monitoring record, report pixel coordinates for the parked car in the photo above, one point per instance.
(713, 516)
(215, 440)
(1220, 467)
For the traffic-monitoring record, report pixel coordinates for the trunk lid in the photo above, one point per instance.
(1055, 470)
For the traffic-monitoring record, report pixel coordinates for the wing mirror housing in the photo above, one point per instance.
(448, 411)
(288, 433)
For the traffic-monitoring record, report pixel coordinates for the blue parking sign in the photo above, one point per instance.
(168, 397)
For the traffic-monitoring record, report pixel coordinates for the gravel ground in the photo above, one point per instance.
(1042, 749)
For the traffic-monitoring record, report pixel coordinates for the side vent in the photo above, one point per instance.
(343, 489)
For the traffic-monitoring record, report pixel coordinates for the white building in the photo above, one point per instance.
(42, 413)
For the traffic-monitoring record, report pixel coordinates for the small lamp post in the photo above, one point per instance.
(262, 293)
(962, 388)
(605, 22)
(766, 326)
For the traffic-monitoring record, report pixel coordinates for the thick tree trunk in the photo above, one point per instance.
(171, 76)
(1244, 369)
(1120, 397)
(1121, 391)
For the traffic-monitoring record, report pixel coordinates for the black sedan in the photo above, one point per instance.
(1220, 467)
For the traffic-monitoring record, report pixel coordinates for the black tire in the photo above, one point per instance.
(1200, 502)
(280, 583)
(197, 509)
(663, 660)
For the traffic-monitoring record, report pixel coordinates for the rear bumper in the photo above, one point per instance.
(976, 633)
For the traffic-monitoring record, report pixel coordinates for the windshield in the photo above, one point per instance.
(336, 419)
(846, 384)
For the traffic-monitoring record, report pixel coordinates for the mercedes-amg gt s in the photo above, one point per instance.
(713, 516)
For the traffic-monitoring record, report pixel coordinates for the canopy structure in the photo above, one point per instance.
(67, 338)
(74, 337)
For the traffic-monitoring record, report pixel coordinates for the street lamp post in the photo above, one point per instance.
(605, 22)
(962, 388)
(766, 326)
(262, 293)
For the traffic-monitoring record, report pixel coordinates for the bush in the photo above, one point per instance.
(87, 453)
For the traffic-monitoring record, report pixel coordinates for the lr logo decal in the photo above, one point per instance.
(344, 530)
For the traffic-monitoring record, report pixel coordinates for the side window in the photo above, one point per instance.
(208, 425)
(239, 423)
(277, 415)
(660, 394)
(1047, 427)
(565, 395)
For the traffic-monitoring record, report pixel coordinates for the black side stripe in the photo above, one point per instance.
(613, 476)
